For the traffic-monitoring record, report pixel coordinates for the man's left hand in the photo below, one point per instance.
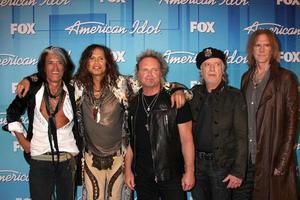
(277, 172)
(233, 181)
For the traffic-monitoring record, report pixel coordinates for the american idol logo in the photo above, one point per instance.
(34, 2)
(276, 28)
(183, 57)
(94, 27)
(55, 2)
(13, 176)
(206, 2)
(234, 57)
(10, 59)
(179, 57)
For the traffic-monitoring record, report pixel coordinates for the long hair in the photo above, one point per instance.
(111, 72)
(156, 55)
(63, 57)
(275, 57)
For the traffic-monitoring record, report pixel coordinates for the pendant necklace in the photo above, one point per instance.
(257, 78)
(148, 107)
(96, 104)
(96, 110)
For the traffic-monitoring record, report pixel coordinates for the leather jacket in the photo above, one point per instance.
(229, 126)
(164, 137)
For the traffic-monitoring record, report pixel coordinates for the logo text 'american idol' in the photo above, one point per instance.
(10, 59)
(207, 2)
(183, 57)
(34, 2)
(13, 176)
(94, 27)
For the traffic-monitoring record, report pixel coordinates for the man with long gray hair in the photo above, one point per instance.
(52, 139)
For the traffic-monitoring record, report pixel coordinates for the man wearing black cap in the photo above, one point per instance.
(219, 129)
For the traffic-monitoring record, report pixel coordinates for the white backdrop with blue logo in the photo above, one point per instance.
(177, 28)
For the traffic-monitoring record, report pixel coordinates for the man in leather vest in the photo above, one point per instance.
(159, 162)
(219, 129)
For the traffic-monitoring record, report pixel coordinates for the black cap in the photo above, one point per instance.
(208, 53)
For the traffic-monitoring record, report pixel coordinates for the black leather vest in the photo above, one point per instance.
(164, 137)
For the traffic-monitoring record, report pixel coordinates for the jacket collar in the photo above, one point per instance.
(271, 85)
(217, 90)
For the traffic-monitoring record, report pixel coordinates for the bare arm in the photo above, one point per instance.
(188, 151)
(129, 177)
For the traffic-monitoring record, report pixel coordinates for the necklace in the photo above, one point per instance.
(258, 77)
(58, 93)
(96, 102)
(148, 107)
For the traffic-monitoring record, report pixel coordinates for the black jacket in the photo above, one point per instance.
(164, 137)
(229, 126)
(18, 107)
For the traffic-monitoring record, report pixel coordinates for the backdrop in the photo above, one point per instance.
(177, 28)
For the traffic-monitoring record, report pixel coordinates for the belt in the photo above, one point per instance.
(117, 153)
(204, 155)
(63, 156)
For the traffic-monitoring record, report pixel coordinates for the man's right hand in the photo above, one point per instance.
(23, 88)
(129, 179)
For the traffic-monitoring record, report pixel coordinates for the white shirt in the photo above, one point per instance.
(40, 143)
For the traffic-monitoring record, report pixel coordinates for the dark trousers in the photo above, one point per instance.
(148, 189)
(209, 185)
(44, 179)
(246, 190)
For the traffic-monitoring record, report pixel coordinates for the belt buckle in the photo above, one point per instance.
(209, 156)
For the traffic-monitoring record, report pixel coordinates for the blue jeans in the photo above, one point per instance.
(209, 185)
(44, 179)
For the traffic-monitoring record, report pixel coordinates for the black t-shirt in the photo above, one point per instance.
(203, 139)
(144, 163)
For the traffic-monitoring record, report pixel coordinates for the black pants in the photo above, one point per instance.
(246, 190)
(148, 189)
(209, 185)
(44, 179)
